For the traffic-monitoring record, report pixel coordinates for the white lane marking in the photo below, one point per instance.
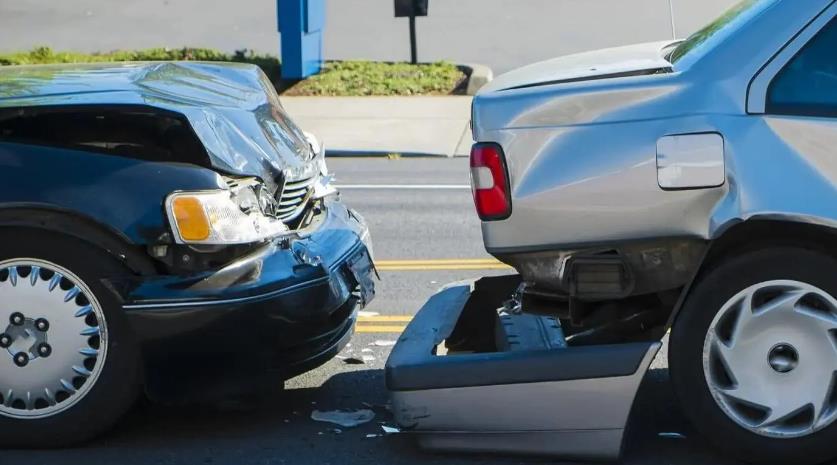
(404, 186)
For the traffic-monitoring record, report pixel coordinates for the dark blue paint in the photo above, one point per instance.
(122, 194)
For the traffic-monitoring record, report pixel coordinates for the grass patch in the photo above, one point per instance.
(359, 78)
(46, 55)
(338, 78)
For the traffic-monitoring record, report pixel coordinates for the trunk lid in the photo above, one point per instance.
(632, 60)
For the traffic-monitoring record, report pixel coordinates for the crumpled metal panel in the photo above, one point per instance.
(582, 156)
(232, 107)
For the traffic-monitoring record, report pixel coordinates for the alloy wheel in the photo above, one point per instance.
(53, 339)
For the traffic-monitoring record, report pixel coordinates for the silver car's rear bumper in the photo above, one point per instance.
(509, 384)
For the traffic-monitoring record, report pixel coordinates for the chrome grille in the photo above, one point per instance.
(294, 196)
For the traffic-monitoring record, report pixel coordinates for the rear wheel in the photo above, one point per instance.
(753, 356)
(68, 367)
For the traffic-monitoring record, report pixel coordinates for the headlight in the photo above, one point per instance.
(220, 217)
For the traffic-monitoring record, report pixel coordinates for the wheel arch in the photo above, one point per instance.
(750, 235)
(81, 227)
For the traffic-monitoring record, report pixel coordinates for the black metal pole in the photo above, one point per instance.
(413, 39)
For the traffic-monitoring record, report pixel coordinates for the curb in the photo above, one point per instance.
(478, 76)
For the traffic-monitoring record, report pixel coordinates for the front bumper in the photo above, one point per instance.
(278, 312)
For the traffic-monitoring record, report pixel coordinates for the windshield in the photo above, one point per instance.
(739, 13)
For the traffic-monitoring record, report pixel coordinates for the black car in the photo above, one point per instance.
(166, 228)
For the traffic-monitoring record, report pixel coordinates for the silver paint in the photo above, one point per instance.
(582, 155)
(546, 416)
(690, 161)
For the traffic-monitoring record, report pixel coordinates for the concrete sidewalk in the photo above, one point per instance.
(381, 125)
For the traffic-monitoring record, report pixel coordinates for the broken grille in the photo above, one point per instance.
(295, 195)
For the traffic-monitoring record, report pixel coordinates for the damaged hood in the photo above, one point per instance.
(232, 107)
(638, 59)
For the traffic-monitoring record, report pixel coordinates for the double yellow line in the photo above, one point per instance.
(392, 324)
(441, 264)
(395, 324)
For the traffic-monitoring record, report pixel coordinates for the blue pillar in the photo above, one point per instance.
(301, 25)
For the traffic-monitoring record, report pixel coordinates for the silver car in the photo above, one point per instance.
(689, 186)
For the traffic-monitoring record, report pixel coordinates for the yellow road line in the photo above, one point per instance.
(441, 264)
(385, 318)
(439, 261)
(442, 267)
(380, 329)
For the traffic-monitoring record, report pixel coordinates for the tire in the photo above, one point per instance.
(59, 414)
(713, 338)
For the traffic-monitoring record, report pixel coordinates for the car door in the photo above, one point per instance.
(796, 94)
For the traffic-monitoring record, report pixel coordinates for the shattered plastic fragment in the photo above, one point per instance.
(671, 435)
(390, 429)
(382, 343)
(346, 419)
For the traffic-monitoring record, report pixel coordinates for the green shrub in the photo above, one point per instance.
(346, 78)
(338, 78)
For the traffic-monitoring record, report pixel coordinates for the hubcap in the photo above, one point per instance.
(770, 359)
(53, 339)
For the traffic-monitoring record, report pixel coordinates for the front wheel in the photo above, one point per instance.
(68, 367)
(754, 355)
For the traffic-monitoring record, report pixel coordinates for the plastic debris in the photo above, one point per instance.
(369, 436)
(344, 418)
(671, 435)
(383, 343)
(390, 429)
(367, 350)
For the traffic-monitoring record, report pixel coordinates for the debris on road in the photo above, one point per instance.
(671, 435)
(382, 343)
(344, 418)
(390, 429)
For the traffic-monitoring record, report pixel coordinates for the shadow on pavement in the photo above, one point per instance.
(280, 431)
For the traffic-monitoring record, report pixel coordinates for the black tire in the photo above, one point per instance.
(118, 383)
(715, 287)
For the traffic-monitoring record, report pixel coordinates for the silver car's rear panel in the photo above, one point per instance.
(509, 384)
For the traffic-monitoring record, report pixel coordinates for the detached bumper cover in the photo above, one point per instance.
(273, 314)
(543, 399)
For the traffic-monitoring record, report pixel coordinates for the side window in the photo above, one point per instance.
(807, 85)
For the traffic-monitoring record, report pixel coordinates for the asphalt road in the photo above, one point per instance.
(406, 224)
(502, 34)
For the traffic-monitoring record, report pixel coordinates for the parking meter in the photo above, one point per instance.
(408, 8)
(411, 9)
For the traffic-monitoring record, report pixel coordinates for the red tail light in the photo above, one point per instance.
(490, 182)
